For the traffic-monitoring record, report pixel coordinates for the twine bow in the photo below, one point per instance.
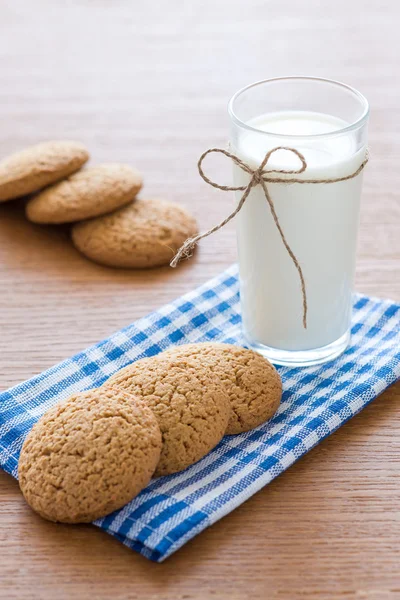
(260, 176)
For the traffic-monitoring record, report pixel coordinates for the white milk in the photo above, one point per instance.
(320, 223)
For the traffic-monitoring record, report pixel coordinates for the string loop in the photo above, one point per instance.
(260, 176)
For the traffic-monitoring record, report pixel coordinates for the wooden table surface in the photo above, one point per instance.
(147, 83)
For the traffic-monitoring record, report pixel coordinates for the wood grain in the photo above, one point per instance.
(148, 83)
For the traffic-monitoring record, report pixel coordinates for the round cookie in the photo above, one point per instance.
(146, 233)
(253, 385)
(191, 406)
(33, 168)
(88, 193)
(88, 456)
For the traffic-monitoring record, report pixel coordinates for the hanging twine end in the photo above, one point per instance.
(184, 252)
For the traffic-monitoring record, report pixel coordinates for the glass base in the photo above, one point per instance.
(302, 358)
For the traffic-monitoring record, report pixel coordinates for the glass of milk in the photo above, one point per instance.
(326, 122)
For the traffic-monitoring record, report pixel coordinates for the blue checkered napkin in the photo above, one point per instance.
(316, 401)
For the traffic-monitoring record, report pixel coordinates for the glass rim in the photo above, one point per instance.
(355, 125)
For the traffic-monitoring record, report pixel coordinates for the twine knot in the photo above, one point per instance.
(257, 177)
(260, 176)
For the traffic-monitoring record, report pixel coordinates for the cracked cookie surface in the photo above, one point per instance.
(253, 385)
(191, 406)
(35, 167)
(89, 193)
(89, 456)
(145, 233)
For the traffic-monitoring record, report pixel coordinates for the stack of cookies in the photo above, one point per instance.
(93, 453)
(110, 225)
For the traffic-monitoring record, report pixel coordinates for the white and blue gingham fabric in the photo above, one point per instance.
(316, 401)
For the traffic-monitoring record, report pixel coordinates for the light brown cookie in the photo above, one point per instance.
(191, 406)
(89, 193)
(88, 456)
(33, 168)
(146, 233)
(251, 382)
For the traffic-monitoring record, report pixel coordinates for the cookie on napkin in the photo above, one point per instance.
(38, 166)
(252, 383)
(89, 193)
(190, 404)
(89, 456)
(146, 233)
